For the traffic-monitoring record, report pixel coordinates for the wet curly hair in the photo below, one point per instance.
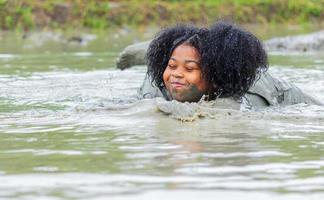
(231, 58)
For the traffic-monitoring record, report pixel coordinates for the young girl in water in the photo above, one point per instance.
(187, 63)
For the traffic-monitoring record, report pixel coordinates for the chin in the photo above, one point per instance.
(183, 99)
(186, 97)
(180, 100)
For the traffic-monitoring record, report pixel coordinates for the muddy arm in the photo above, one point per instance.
(132, 55)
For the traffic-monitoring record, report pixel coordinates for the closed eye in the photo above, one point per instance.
(172, 66)
(190, 68)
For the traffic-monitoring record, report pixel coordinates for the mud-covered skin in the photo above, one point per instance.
(190, 94)
(192, 111)
(132, 55)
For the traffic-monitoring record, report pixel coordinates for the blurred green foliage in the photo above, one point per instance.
(101, 14)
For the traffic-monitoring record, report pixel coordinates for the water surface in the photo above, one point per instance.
(71, 127)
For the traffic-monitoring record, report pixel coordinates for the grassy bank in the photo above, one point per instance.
(100, 14)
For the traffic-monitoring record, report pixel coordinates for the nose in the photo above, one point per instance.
(178, 73)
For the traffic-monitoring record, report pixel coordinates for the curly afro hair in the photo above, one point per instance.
(231, 58)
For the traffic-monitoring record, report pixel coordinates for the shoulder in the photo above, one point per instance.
(275, 91)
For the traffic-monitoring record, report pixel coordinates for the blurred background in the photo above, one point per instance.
(26, 15)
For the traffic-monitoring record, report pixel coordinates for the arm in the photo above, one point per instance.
(132, 55)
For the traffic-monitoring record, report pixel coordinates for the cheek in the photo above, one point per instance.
(194, 78)
(166, 75)
(198, 80)
(203, 86)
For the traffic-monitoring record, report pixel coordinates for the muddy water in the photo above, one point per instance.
(71, 127)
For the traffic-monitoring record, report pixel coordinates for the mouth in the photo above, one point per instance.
(176, 84)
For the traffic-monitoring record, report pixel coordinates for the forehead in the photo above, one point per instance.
(185, 51)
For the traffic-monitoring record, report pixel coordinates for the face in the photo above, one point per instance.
(183, 77)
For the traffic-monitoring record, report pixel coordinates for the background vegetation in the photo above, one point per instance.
(101, 14)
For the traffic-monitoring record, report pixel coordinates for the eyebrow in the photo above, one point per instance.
(187, 61)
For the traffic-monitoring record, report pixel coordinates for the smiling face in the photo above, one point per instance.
(183, 77)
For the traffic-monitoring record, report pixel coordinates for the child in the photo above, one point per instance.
(187, 64)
